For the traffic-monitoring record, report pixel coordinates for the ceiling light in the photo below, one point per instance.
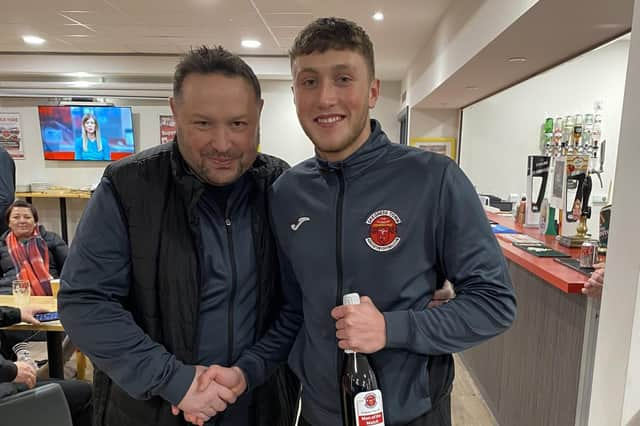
(252, 44)
(31, 39)
(517, 59)
(378, 16)
(80, 74)
(81, 83)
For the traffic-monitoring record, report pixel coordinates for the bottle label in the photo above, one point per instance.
(368, 406)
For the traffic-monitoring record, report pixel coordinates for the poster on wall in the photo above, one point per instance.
(11, 134)
(444, 146)
(167, 128)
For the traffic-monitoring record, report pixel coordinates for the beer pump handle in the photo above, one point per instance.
(586, 192)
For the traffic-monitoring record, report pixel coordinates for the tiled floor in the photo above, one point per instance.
(467, 406)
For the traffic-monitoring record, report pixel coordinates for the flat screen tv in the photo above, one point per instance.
(94, 133)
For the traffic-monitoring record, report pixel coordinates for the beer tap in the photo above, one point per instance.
(599, 171)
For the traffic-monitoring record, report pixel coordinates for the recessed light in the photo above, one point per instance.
(517, 59)
(81, 83)
(31, 39)
(80, 74)
(252, 44)
(378, 16)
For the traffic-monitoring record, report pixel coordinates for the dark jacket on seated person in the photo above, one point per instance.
(58, 251)
(8, 370)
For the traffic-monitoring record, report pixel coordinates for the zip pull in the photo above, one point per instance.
(227, 222)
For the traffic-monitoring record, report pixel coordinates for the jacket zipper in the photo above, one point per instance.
(232, 295)
(339, 262)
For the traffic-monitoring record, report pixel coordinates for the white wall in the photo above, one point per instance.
(441, 123)
(281, 135)
(388, 108)
(499, 132)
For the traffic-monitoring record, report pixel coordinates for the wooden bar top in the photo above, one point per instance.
(556, 274)
(55, 194)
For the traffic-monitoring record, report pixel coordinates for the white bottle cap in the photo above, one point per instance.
(351, 299)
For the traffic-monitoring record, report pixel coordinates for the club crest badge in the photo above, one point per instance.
(383, 230)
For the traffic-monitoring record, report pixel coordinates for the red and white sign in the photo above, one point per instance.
(11, 134)
(167, 128)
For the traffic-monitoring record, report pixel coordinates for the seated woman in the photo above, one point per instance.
(31, 253)
(28, 251)
(21, 375)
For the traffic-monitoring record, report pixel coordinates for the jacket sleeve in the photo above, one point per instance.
(7, 276)
(95, 283)
(8, 370)
(262, 359)
(7, 185)
(470, 257)
(9, 316)
(58, 249)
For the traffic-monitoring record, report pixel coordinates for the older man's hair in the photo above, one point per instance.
(213, 60)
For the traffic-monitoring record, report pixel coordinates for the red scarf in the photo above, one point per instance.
(28, 260)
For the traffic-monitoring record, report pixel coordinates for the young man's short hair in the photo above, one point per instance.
(333, 33)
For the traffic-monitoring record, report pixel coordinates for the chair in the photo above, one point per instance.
(43, 405)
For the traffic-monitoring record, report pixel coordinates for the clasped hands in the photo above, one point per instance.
(211, 391)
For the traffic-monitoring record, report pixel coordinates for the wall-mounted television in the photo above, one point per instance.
(94, 133)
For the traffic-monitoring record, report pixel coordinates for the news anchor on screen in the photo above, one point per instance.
(90, 146)
(86, 133)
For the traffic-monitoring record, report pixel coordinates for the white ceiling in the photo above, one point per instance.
(172, 26)
(549, 33)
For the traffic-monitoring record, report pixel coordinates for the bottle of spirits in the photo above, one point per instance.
(577, 133)
(361, 397)
(558, 125)
(587, 131)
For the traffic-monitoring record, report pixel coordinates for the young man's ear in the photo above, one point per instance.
(172, 104)
(374, 92)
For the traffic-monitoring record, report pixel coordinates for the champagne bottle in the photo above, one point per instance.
(361, 397)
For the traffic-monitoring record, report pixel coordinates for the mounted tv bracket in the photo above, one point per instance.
(84, 101)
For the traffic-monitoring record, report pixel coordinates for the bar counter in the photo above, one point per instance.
(539, 372)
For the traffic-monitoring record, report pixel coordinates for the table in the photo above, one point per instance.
(54, 330)
(62, 196)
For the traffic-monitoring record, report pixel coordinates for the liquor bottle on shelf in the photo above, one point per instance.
(596, 135)
(547, 136)
(567, 135)
(361, 397)
(577, 133)
(587, 131)
(558, 125)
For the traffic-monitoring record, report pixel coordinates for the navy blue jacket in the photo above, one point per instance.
(390, 222)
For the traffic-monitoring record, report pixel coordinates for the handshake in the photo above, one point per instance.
(210, 392)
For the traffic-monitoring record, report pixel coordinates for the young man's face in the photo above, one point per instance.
(333, 94)
(217, 121)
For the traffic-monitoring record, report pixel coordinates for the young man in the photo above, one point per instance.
(174, 267)
(386, 221)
